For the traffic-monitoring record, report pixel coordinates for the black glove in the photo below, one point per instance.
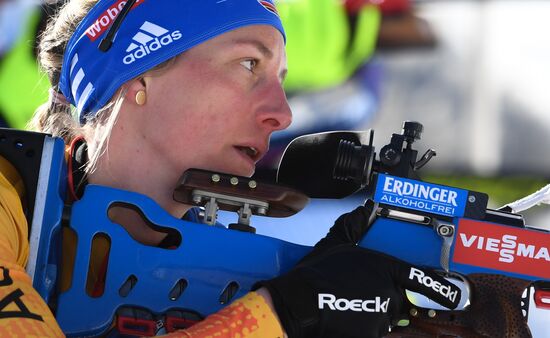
(342, 290)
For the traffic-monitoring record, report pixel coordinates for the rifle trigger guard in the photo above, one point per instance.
(446, 231)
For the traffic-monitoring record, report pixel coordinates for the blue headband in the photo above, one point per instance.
(152, 32)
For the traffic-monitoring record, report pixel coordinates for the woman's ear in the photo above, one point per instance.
(137, 92)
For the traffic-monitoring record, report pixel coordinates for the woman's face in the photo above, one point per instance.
(214, 108)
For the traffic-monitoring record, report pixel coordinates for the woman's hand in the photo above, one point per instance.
(342, 290)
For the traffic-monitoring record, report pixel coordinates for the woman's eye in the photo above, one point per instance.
(249, 64)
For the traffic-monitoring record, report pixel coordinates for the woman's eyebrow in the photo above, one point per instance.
(258, 44)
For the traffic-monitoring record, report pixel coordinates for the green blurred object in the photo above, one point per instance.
(324, 46)
(501, 190)
(22, 86)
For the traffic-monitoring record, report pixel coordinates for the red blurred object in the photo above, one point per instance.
(387, 7)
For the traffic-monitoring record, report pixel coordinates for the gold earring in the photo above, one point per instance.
(141, 97)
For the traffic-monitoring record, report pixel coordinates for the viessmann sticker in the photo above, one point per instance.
(504, 248)
(421, 196)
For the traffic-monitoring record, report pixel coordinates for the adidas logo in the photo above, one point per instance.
(149, 39)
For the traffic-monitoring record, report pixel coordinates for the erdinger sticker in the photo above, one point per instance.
(104, 21)
(269, 6)
(421, 196)
(515, 250)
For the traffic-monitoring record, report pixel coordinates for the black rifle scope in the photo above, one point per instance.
(339, 163)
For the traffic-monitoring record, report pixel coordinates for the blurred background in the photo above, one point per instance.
(474, 73)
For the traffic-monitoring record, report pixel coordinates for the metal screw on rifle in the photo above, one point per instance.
(471, 199)
(216, 178)
(252, 184)
(413, 312)
(197, 199)
(431, 313)
(445, 230)
(234, 181)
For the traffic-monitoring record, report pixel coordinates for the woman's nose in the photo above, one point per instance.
(276, 113)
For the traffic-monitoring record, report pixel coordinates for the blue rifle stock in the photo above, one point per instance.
(209, 260)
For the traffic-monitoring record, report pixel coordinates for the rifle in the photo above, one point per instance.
(452, 230)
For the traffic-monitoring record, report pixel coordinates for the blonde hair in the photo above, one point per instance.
(57, 117)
